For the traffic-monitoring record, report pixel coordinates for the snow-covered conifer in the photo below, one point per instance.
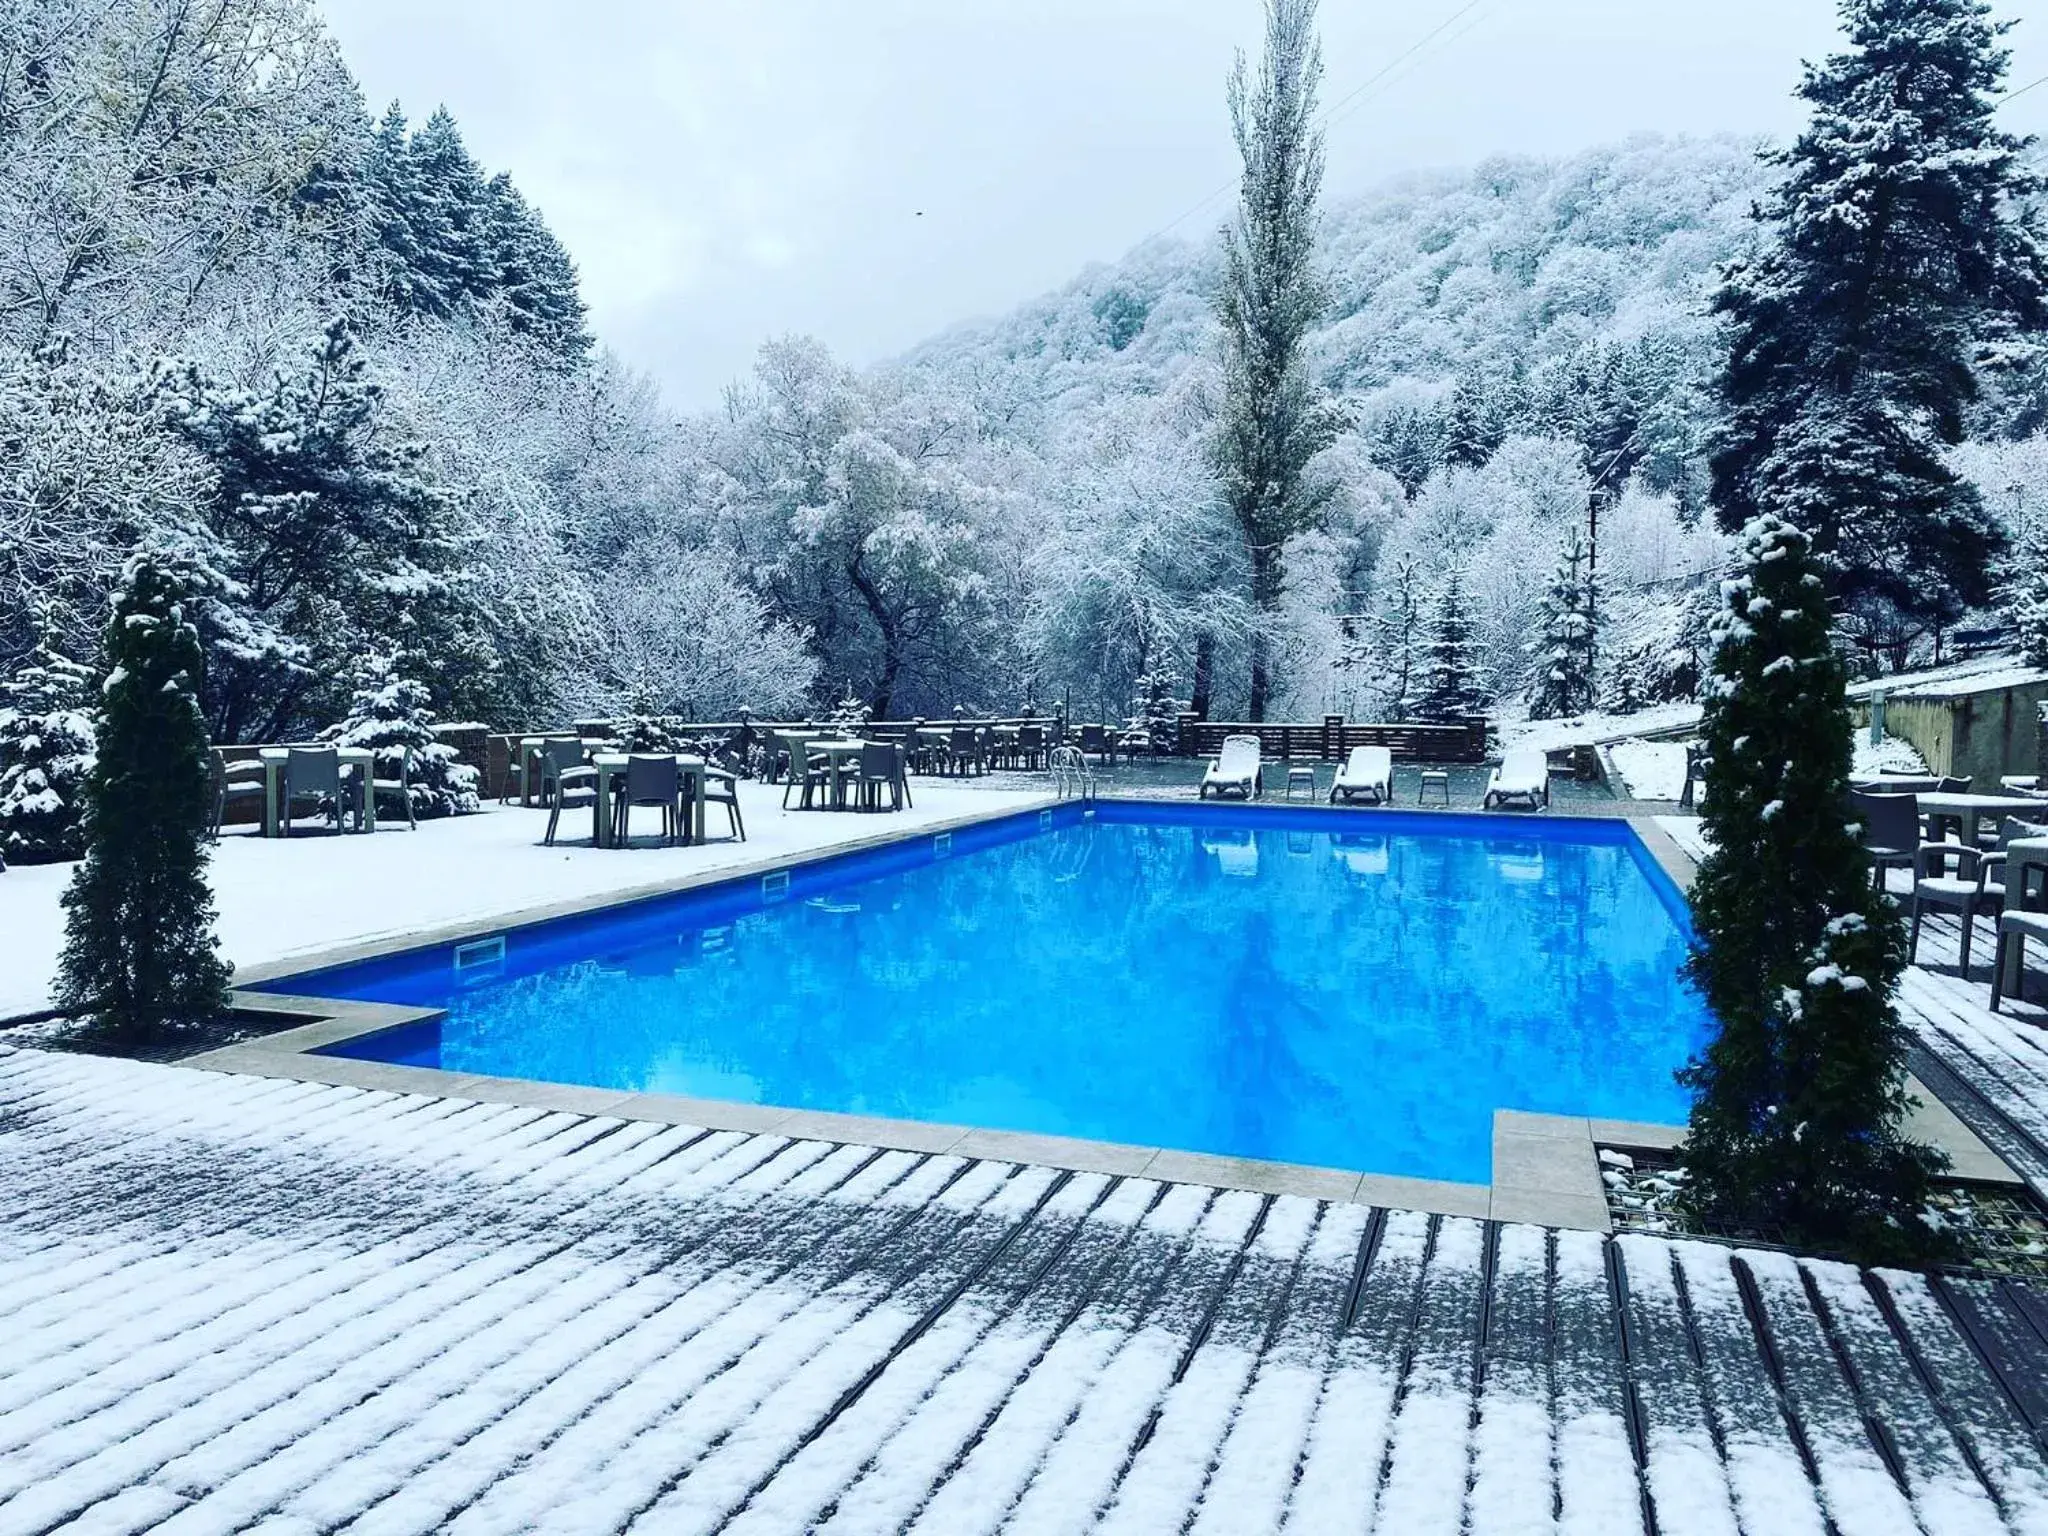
(139, 948)
(46, 749)
(388, 713)
(1796, 1120)
(1450, 685)
(1564, 679)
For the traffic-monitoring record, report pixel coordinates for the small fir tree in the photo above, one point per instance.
(46, 749)
(1564, 686)
(1400, 637)
(1799, 1097)
(1450, 687)
(388, 713)
(139, 950)
(2025, 595)
(1155, 711)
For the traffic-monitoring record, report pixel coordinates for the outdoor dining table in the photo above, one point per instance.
(274, 759)
(610, 765)
(1945, 811)
(838, 750)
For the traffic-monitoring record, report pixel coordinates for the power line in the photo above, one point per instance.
(1331, 112)
(2022, 90)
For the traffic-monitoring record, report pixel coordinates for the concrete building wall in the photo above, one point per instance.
(1982, 736)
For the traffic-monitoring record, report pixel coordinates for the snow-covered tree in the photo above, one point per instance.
(46, 751)
(683, 637)
(388, 713)
(139, 948)
(1155, 710)
(1897, 257)
(1272, 422)
(1799, 1097)
(2025, 599)
(1450, 688)
(330, 540)
(1564, 679)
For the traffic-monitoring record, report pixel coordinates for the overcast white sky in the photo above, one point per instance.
(872, 171)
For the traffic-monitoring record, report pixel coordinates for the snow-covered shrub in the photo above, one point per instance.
(388, 713)
(46, 748)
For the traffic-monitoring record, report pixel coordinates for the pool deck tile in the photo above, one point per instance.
(1437, 1196)
(1070, 1152)
(1251, 1173)
(1637, 1133)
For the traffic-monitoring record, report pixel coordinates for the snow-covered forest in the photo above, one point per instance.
(344, 371)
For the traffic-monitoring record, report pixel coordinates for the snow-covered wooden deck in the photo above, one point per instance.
(234, 1302)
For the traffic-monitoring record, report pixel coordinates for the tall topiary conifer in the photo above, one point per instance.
(139, 950)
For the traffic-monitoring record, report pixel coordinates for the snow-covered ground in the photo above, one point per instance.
(1649, 770)
(1553, 735)
(1894, 754)
(283, 897)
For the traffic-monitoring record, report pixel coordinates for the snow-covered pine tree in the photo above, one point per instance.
(527, 268)
(1799, 1096)
(389, 713)
(139, 948)
(1564, 681)
(1450, 671)
(2025, 596)
(1155, 709)
(46, 749)
(1399, 641)
(1272, 422)
(1898, 254)
(329, 541)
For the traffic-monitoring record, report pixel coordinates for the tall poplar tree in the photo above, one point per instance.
(1897, 257)
(1272, 421)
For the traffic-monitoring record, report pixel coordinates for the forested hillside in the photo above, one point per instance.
(345, 373)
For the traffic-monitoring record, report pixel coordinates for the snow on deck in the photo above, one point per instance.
(280, 897)
(233, 1303)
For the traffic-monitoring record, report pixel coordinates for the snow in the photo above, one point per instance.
(1649, 770)
(283, 897)
(1981, 674)
(248, 1303)
(1894, 754)
(1580, 730)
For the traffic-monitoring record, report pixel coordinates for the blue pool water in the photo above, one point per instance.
(1351, 989)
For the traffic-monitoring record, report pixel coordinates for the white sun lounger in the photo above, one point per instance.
(1236, 771)
(1524, 774)
(1368, 771)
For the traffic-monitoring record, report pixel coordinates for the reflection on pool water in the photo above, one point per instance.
(1350, 989)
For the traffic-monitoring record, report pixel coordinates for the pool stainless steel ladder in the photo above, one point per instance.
(1071, 774)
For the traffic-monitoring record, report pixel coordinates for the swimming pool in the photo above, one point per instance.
(1349, 989)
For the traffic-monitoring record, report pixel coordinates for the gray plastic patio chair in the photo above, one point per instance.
(723, 788)
(238, 778)
(653, 781)
(1891, 831)
(399, 788)
(557, 756)
(881, 767)
(963, 749)
(2015, 928)
(1977, 885)
(574, 788)
(314, 773)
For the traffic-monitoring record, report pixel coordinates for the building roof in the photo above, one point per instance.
(234, 1301)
